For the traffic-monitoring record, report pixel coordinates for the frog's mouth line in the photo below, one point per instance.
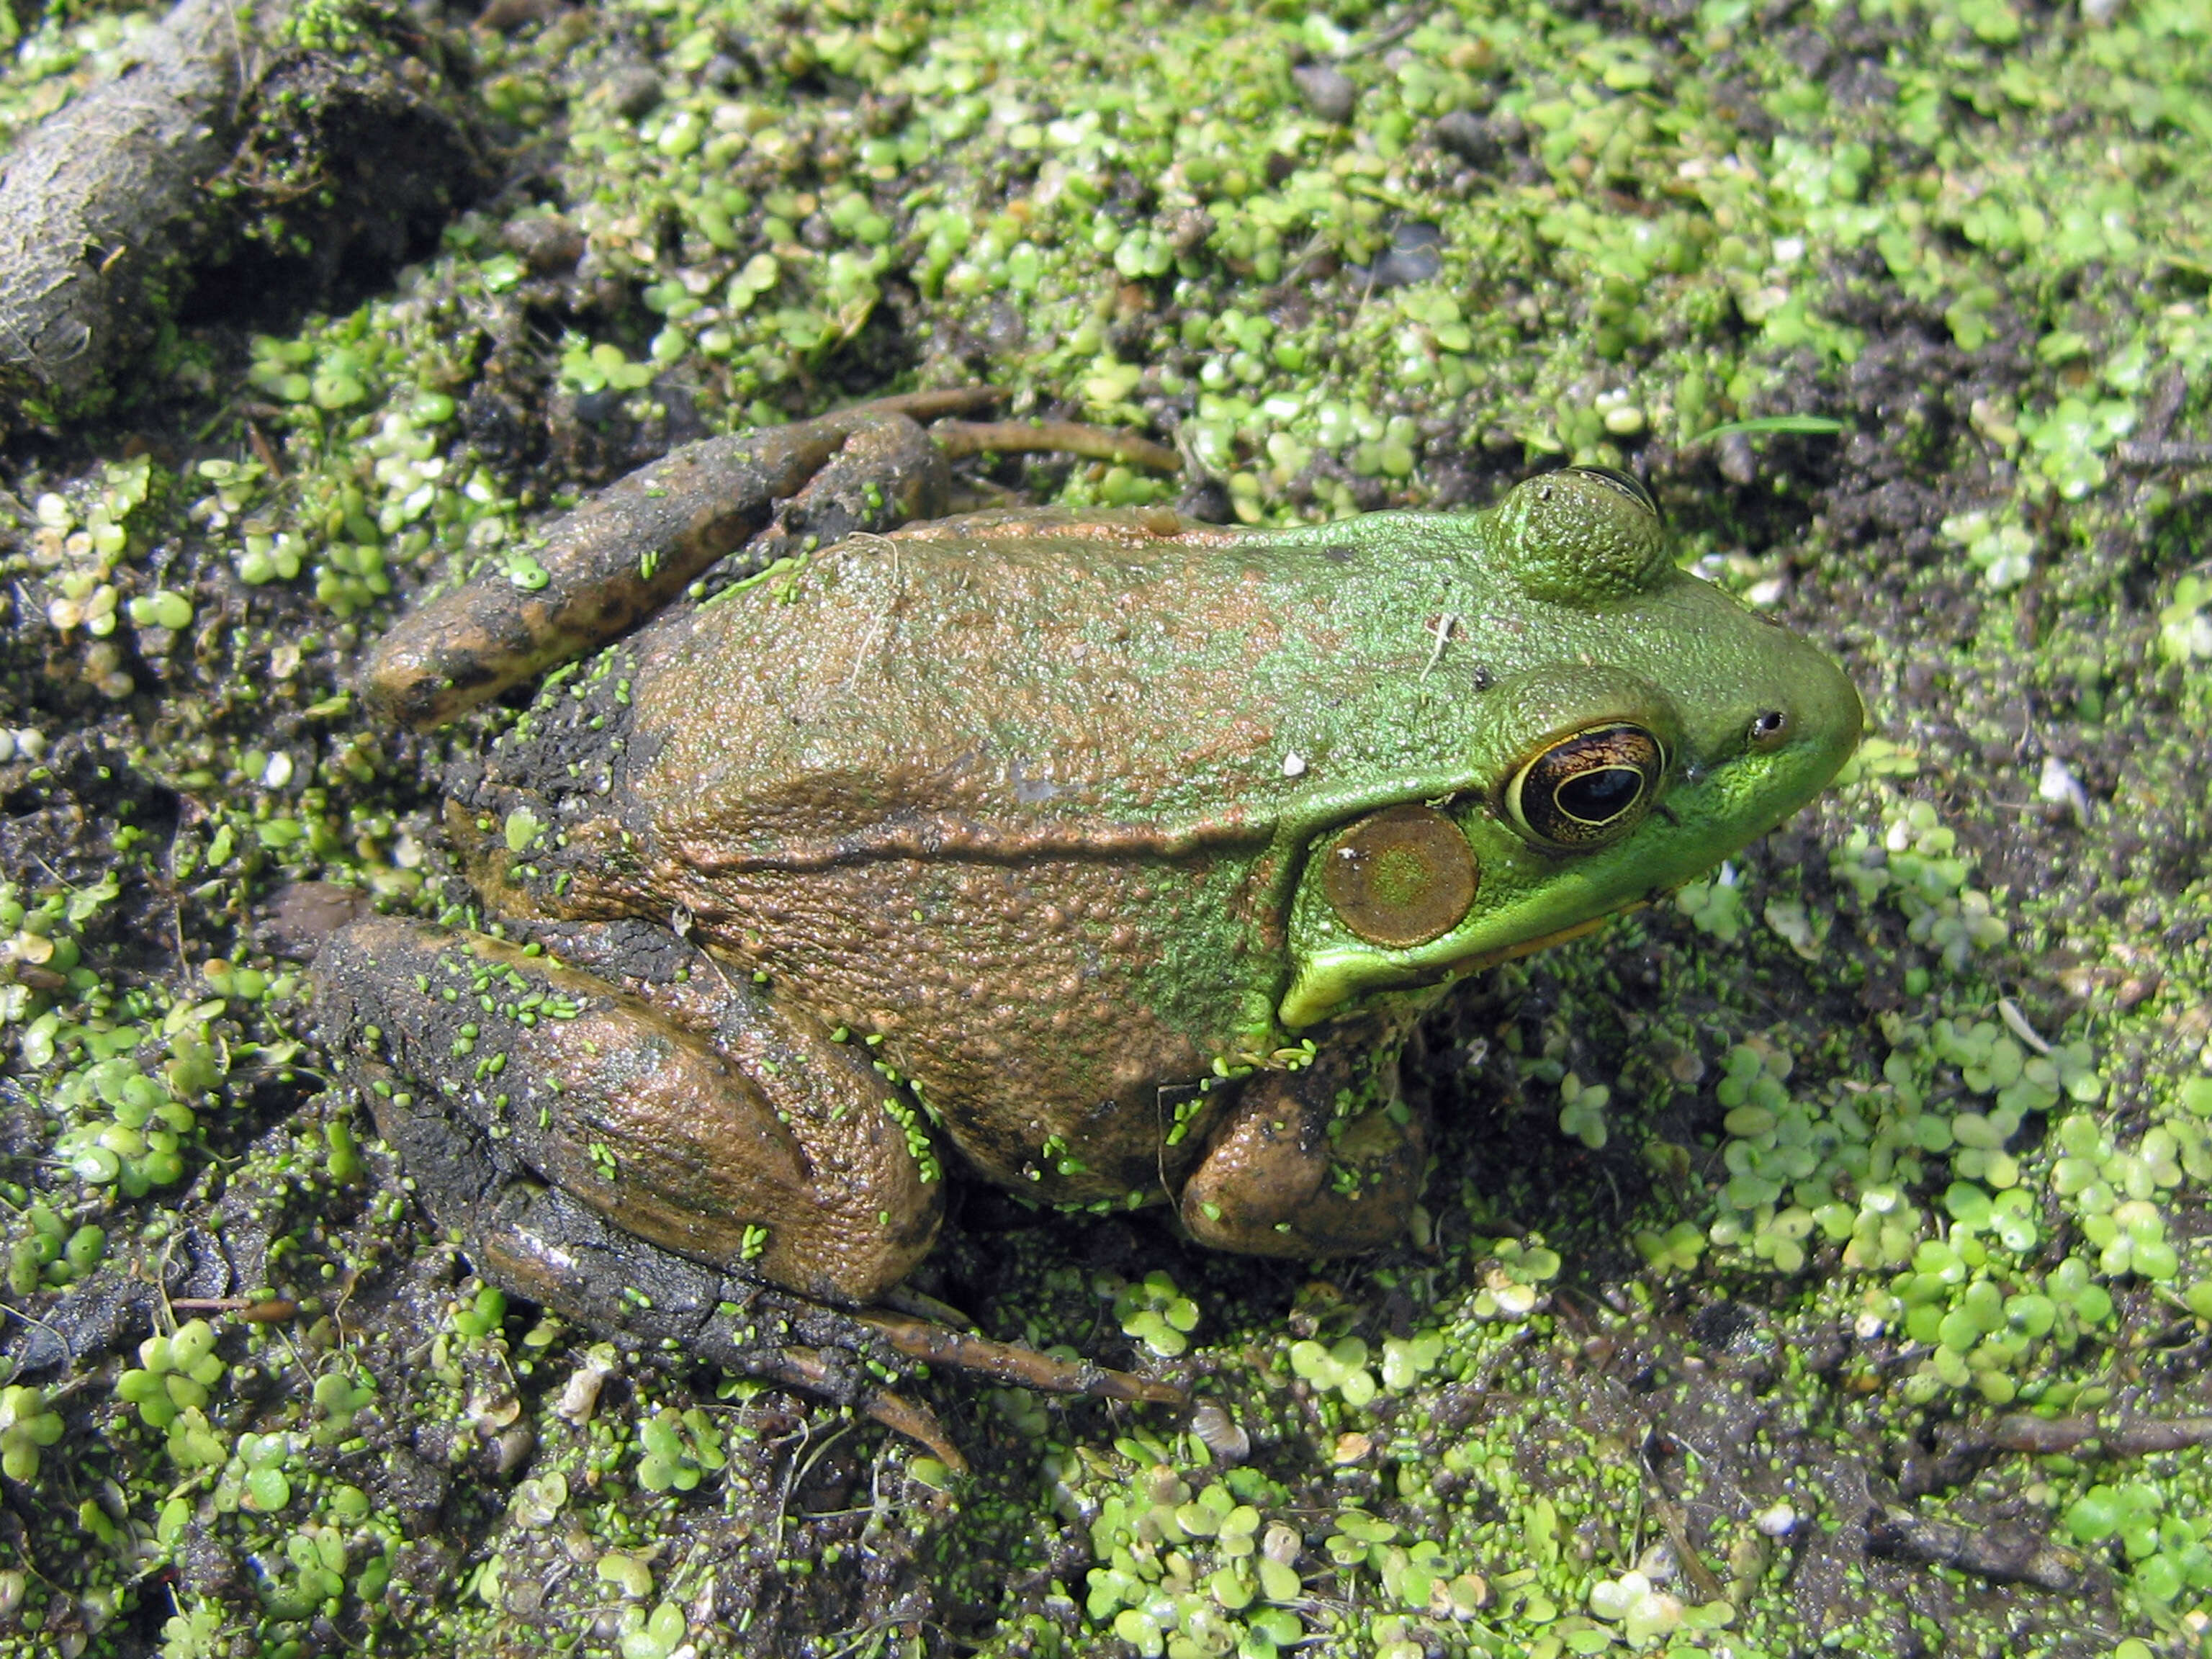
(1475, 964)
(1290, 1006)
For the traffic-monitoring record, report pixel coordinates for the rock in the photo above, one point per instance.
(1328, 91)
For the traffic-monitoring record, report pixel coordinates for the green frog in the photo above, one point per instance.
(1110, 859)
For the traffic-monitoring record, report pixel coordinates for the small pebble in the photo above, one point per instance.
(513, 1449)
(1220, 1431)
(1739, 464)
(1467, 135)
(547, 243)
(1415, 255)
(629, 92)
(579, 1395)
(1328, 91)
(1776, 1522)
(2058, 784)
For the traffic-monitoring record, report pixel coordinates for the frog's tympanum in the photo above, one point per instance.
(1108, 859)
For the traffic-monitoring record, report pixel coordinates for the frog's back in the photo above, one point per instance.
(1016, 684)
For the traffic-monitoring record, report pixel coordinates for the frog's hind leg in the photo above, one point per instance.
(755, 1145)
(598, 572)
(1325, 1161)
(639, 1159)
(653, 964)
(467, 1150)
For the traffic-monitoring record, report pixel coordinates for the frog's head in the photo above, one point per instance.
(1643, 727)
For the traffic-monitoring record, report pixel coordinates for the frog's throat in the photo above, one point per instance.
(1323, 991)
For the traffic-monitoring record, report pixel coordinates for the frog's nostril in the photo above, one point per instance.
(1770, 728)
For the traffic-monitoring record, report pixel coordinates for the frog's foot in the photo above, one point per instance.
(1326, 1161)
(810, 1372)
(542, 1244)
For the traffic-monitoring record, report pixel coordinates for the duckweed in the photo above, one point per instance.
(655, 1635)
(1581, 1110)
(341, 1399)
(28, 1425)
(677, 1450)
(1715, 907)
(1157, 1314)
(174, 1374)
(1124, 212)
(2164, 1554)
(481, 1316)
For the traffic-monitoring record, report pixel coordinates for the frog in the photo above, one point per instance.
(1110, 859)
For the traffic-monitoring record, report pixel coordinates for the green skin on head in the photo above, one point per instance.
(1070, 820)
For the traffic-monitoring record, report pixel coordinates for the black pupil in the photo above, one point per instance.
(1600, 796)
(1768, 723)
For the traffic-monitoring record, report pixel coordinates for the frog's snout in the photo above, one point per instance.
(1798, 736)
(1829, 713)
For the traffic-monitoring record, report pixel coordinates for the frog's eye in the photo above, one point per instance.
(1624, 483)
(1587, 789)
(1582, 536)
(1400, 878)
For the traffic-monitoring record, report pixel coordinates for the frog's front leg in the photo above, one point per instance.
(1328, 1160)
(755, 1145)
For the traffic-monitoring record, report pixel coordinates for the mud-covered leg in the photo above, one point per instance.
(639, 1159)
(596, 574)
(543, 1244)
(1326, 1161)
(677, 977)
(769, 1148)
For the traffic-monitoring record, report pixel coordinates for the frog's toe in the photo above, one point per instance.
(805, 1370)
(1006, 1362)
